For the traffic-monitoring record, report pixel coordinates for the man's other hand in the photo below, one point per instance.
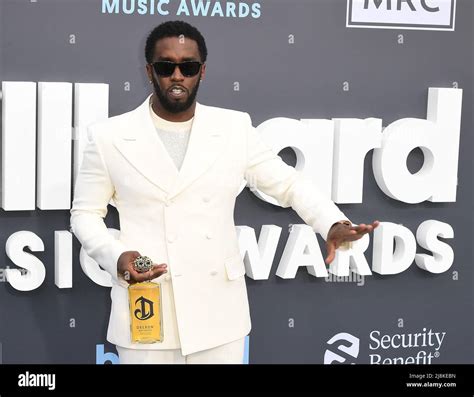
(343, 233)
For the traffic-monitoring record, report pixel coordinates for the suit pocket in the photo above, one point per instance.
(234, 267)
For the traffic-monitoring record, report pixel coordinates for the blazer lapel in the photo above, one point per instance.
(205, 144)
(140, 144)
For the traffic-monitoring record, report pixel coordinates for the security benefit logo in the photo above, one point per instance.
(422, 347)
(401, 14)
(348, 347)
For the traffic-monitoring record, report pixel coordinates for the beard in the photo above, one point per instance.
(172, 106)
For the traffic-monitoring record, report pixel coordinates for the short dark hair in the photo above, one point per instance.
(174, 29)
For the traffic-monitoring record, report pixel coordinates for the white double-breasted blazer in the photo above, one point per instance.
(183, 218)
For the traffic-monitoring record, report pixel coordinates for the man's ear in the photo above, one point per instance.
(149, 72)
(203, 72)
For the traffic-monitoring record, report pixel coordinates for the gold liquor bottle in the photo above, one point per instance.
(145, 312)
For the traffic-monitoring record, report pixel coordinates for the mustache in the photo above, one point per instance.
(170, 106)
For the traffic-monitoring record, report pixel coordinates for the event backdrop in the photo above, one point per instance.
(334, 60)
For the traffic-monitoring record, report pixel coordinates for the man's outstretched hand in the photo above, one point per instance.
(341, 233)
(127, 271)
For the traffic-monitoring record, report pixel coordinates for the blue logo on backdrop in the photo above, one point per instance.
(112, 358)
(103, 358)
(197, 8)
(246, 350)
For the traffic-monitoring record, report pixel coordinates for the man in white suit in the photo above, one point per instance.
(173, 168)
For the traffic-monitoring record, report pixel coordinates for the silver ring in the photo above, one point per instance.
(142, 264)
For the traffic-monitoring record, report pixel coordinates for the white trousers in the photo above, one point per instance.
(230, 353)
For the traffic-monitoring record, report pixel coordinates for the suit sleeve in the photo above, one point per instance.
(92, 193)
(266, 171)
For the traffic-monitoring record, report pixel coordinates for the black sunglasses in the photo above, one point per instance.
(166, 68)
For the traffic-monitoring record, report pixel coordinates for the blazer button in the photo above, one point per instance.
(171, 238)
(213, 273)
(208, 236)
(167, 277)
(168, 202)
(206, 199)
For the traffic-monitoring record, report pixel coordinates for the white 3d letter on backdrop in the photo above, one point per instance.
(36, 271)
(353, 139)
(258, 257)
(18, 146)
(443, 254)
(438, 138)
(63, 259)
(384, 259)
(54, 146)
(301, 249)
